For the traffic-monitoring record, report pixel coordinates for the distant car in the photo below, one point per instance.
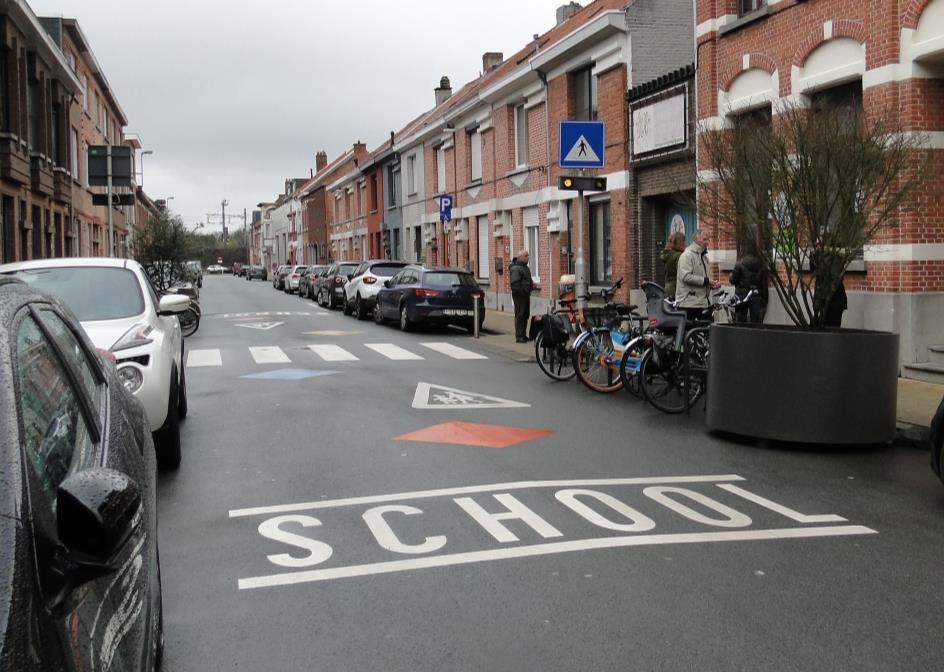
(420, 295)
(331, 284)
(121, 313)
(80, 573)
(936, 435)
(214, 268)
(256, 273)
(306, 283)
(292, 278)
(278, 278)
(361, 292)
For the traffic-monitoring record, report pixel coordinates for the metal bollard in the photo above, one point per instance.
(475, 317)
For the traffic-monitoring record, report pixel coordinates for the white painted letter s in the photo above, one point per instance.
(318, 551)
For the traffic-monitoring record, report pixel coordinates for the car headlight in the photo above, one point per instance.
(135, 336)
(131, 377)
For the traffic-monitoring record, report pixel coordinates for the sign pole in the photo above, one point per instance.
(578, 264)
(111, 231)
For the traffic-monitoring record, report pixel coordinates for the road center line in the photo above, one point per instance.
(289, 578)
(471, 489)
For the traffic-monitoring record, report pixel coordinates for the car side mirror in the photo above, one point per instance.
(96, 512)
(171, 304)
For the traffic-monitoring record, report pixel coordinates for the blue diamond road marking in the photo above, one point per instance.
(290, 374)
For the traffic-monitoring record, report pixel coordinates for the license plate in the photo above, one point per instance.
(457, 311)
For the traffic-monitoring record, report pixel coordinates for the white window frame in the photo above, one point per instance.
(475, 156)
(532, 240)
(84, 80)
(441, 169)
(411, 175)
(74, 141)
(521, 136)
(483, 265)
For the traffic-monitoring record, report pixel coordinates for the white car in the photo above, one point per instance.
(360, 292)
(214, 268)
(121, 313)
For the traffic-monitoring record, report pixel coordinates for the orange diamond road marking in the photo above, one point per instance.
(474, 434)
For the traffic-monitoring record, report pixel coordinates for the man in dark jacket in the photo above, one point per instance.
(521, 286)
(750, 273)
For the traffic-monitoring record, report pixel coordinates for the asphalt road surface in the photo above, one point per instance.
(356, 498)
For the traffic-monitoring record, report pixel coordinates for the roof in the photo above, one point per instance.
(662, 81)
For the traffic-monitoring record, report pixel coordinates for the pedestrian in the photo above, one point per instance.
(521, 286)
(827, 268)
(750, 273)
(692, 284)
(670, 256)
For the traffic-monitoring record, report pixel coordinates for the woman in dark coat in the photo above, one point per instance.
(750, 273)
(670, 256)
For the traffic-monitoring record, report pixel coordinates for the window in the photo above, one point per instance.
(440, 169)
(89, 374)
(392, 186)
(82, 289)
(521, 136)
(475, 155)
(56, 135)
(482, 265)
(362, 200)
(411, 174)
(748, 6)
(54, 435)
(753, 183)
(601, 263)
(85, 102)
(585, 95)
(4, 91)
(531, 240)
(373, 192)
(74, 148)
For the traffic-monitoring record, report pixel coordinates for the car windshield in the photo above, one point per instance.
(92, 293)
(347, 269)
(448, 279)
(386, 270)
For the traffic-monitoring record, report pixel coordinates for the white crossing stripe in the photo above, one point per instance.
(333, 353)
(209, 357)
(391, 351)
(269, 355)
(453, 351)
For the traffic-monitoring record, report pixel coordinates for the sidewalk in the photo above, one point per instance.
(917, 401)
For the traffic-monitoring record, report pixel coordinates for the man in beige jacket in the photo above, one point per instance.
(692, 285)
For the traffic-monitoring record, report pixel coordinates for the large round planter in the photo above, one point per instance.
(837, 386)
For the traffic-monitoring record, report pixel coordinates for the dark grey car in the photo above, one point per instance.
(79, 573)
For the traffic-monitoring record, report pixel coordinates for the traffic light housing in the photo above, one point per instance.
(579, 183)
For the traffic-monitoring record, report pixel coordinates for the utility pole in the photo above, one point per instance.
(223, 204)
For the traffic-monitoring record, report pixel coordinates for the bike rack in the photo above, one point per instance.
(688, 368)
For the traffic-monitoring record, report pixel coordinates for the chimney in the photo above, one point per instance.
(491, 60)
(564, 12)
(321, 160)
(360, 152)
(443, 91)
(392, 138)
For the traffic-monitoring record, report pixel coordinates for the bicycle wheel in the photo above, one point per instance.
(663, 384)
(189, 321)
(629, 369)
(556, 361)
(592, 361)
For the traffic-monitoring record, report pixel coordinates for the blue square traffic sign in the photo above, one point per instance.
(445, 208)
(581, 144)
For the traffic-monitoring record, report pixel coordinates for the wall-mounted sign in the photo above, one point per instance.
(660, 125)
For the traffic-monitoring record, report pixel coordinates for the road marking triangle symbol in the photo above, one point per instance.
(582, 151)
(429, 396)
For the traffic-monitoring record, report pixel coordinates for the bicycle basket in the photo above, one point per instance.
(556, 329)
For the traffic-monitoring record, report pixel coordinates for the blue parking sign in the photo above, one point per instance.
(445, 208)
(581, 144)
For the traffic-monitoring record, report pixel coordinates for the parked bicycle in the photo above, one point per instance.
(598, 351)
(190, 318)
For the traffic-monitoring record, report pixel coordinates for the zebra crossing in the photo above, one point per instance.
(328, 352)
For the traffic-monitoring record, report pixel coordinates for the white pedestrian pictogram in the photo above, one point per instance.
(582, 151)
(429, 396)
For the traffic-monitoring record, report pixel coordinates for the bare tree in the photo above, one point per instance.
(161, 246)
(805, 191)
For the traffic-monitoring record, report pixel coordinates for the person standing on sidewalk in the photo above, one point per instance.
(693, 284)
(521, 286)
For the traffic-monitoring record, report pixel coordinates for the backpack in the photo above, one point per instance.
(556, 329)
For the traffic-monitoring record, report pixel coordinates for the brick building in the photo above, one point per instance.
(37, 157)
(885, 56)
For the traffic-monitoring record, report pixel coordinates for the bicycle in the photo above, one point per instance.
(190, 318)
(599, 351)
(554, 342)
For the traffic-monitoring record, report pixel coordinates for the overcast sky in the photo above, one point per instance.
(233, 97)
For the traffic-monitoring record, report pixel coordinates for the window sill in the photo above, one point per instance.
(518, 170)
(474, 183)
(745, 20)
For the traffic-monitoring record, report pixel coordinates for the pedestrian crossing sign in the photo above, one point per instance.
(581, 144)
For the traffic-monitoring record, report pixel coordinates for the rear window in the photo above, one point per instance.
(446, 279)
(91, 293)
(347, 269)
(385, 270)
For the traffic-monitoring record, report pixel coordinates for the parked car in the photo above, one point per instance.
(121, 313)
(79, 574)
(439, 295)
(278, 278)
(330, 293)
(361, 291)
(292, 277)
(214, 268)
(936, 436)
(256, 272)
(306, 283)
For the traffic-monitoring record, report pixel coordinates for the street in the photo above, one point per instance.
(315, 525)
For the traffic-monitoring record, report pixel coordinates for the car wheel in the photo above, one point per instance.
(405, 324)
(167, 438)
(346, 306)
(360, 310)
(182, 395)
(378, 316)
